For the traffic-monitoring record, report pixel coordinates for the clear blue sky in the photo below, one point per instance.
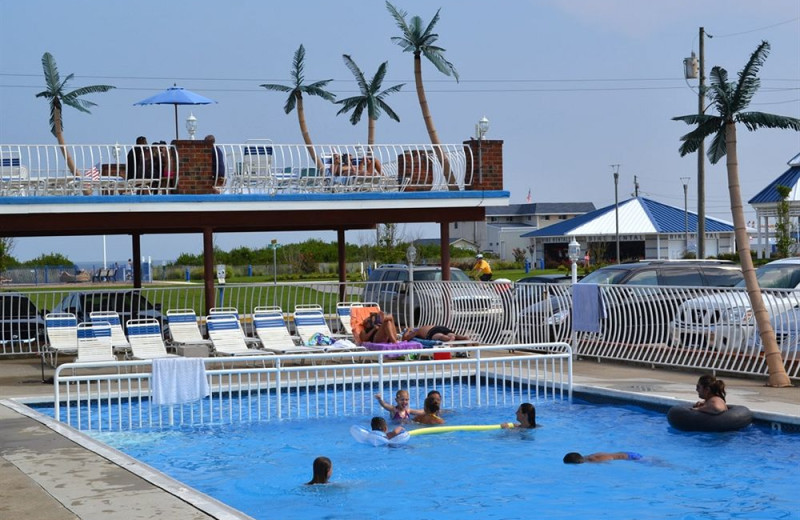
(571, 86)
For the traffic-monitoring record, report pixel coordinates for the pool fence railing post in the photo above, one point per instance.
(478, 375)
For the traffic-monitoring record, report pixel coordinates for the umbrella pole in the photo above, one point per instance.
(176, 120)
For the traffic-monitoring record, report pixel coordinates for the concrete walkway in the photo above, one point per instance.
(48, 476)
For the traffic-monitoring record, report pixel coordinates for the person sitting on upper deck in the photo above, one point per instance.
(137, 162)
(217, 162)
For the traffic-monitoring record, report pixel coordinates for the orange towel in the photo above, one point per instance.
(357, 317)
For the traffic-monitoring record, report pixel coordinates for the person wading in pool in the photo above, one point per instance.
(431, 409)
(526, 415)
(323, 469)
(712, 395)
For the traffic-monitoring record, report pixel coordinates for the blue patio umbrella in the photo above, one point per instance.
(176, 95)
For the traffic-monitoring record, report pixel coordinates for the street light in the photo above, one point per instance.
(411, 256)
(616, 205)
(274, 244)
(574, 254)
(191, 125)
(481, 129)
(685, 181)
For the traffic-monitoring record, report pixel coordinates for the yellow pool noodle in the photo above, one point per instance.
(455, 428)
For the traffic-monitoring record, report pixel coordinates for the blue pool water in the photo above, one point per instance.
(260, 468)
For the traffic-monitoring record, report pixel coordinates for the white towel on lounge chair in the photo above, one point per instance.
(178, 380)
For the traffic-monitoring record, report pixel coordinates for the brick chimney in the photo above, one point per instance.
(486, 169)
(196, 174)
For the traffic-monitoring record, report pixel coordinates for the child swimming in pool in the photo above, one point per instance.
(577, 458)
(402, 410)
(378, 424)
(323, 469)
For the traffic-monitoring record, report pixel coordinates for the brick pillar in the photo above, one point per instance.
(416, 166)
(488, 175)
(196, 174)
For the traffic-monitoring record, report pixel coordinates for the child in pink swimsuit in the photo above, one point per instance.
(401, 411)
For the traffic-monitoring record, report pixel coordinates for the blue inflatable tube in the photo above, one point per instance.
(688, 419)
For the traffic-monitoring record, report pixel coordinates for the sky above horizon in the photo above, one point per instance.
(571, 87)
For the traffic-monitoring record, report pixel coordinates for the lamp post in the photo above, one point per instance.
(191, 125)
(695, 69)
(574, 254)
(411, 256)
(685, 181)
(481, 129)
(274, 244)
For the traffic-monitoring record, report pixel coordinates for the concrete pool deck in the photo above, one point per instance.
(47, 476)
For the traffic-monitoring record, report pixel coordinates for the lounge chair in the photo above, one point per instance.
(184, 329)
(310, 320)
(119, 341)
(274, 335)
(146, 340)
(94, 343)
(233, 311)
(227, 336)
(62, 335)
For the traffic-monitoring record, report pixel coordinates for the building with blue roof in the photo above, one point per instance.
(765, 202)
(647, 230)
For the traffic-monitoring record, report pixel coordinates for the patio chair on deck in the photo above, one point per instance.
(146, 340)
(227, 337)
(62, 335)
(94, 342)
(118, 339)
(184, 328)
(233, 311)
(274, 335)
(310, 320)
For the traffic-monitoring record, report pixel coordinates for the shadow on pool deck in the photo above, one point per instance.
(49, 477)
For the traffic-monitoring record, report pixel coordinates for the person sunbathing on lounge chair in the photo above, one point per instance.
(379, 327)
(434, 333)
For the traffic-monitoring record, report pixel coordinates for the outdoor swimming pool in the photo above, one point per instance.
(260, 468)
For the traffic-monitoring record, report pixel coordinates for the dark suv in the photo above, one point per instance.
(636, 314)
(20, 320)
(466, 301)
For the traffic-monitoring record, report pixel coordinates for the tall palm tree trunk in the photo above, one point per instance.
(63, 145)
(301, 118)
(370, 131)
(777, 372)
(426, 116)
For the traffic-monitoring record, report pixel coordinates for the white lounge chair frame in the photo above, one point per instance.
(94, 342)
(233, 311)
(275, 337)
(146, 340)
(62, 335)
(227, 336)
(119, 341)
(184, 328)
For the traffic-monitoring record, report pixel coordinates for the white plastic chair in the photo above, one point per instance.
(184, 328)
(94, 342)
(227, 336)
(119, 341)
(274, 335)
(62, 335)
(146, 340)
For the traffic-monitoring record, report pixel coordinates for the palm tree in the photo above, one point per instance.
(58, 96)
(420, 41)
(295, 98)
(731, 99)
(371, 97)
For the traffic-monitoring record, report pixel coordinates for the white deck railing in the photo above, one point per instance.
(97, 169)
(693, 328)
(264, 167)
(117, 396)
(257, 166)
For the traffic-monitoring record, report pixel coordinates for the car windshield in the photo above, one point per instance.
(780, 276)
(428, 276)
(605, 276)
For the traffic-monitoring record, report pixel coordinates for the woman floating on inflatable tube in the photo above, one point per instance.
(711, 392)
(711, 413)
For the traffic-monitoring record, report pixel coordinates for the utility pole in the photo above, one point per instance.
(685, 181)
(616, 204)
(636, 186)
(701, 157)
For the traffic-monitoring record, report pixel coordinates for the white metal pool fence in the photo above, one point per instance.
(714, 330)
(117, 396)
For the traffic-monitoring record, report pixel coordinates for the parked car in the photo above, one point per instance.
(546, 278)
(725, 321)
(20, 321)
(129, 304)
(469, 302)
(636, 314)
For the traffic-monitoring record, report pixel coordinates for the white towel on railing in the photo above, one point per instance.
(586, 306)
(178, 380)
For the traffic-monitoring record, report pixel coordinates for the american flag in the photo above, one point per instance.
(92, 174)
(528, 198)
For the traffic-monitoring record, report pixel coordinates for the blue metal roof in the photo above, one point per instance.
(770, 193)
(664, 218)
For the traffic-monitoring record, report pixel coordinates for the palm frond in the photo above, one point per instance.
(80, 104)
(694, 119)
(390, 90)
(386, 108)
(91, 89)
(439, 61)
(399, 17)
(291, 101)
(377, 79)
(718, 147)
(279, 88)
(432, 24)
(348, 104)
(50, 69)
(748, 82)
(298, 65)
(755, 120)
(313, 90)
(350, 64)
(692, 140)
(356, 117)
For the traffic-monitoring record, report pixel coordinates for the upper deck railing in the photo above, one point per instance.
(256, 166)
